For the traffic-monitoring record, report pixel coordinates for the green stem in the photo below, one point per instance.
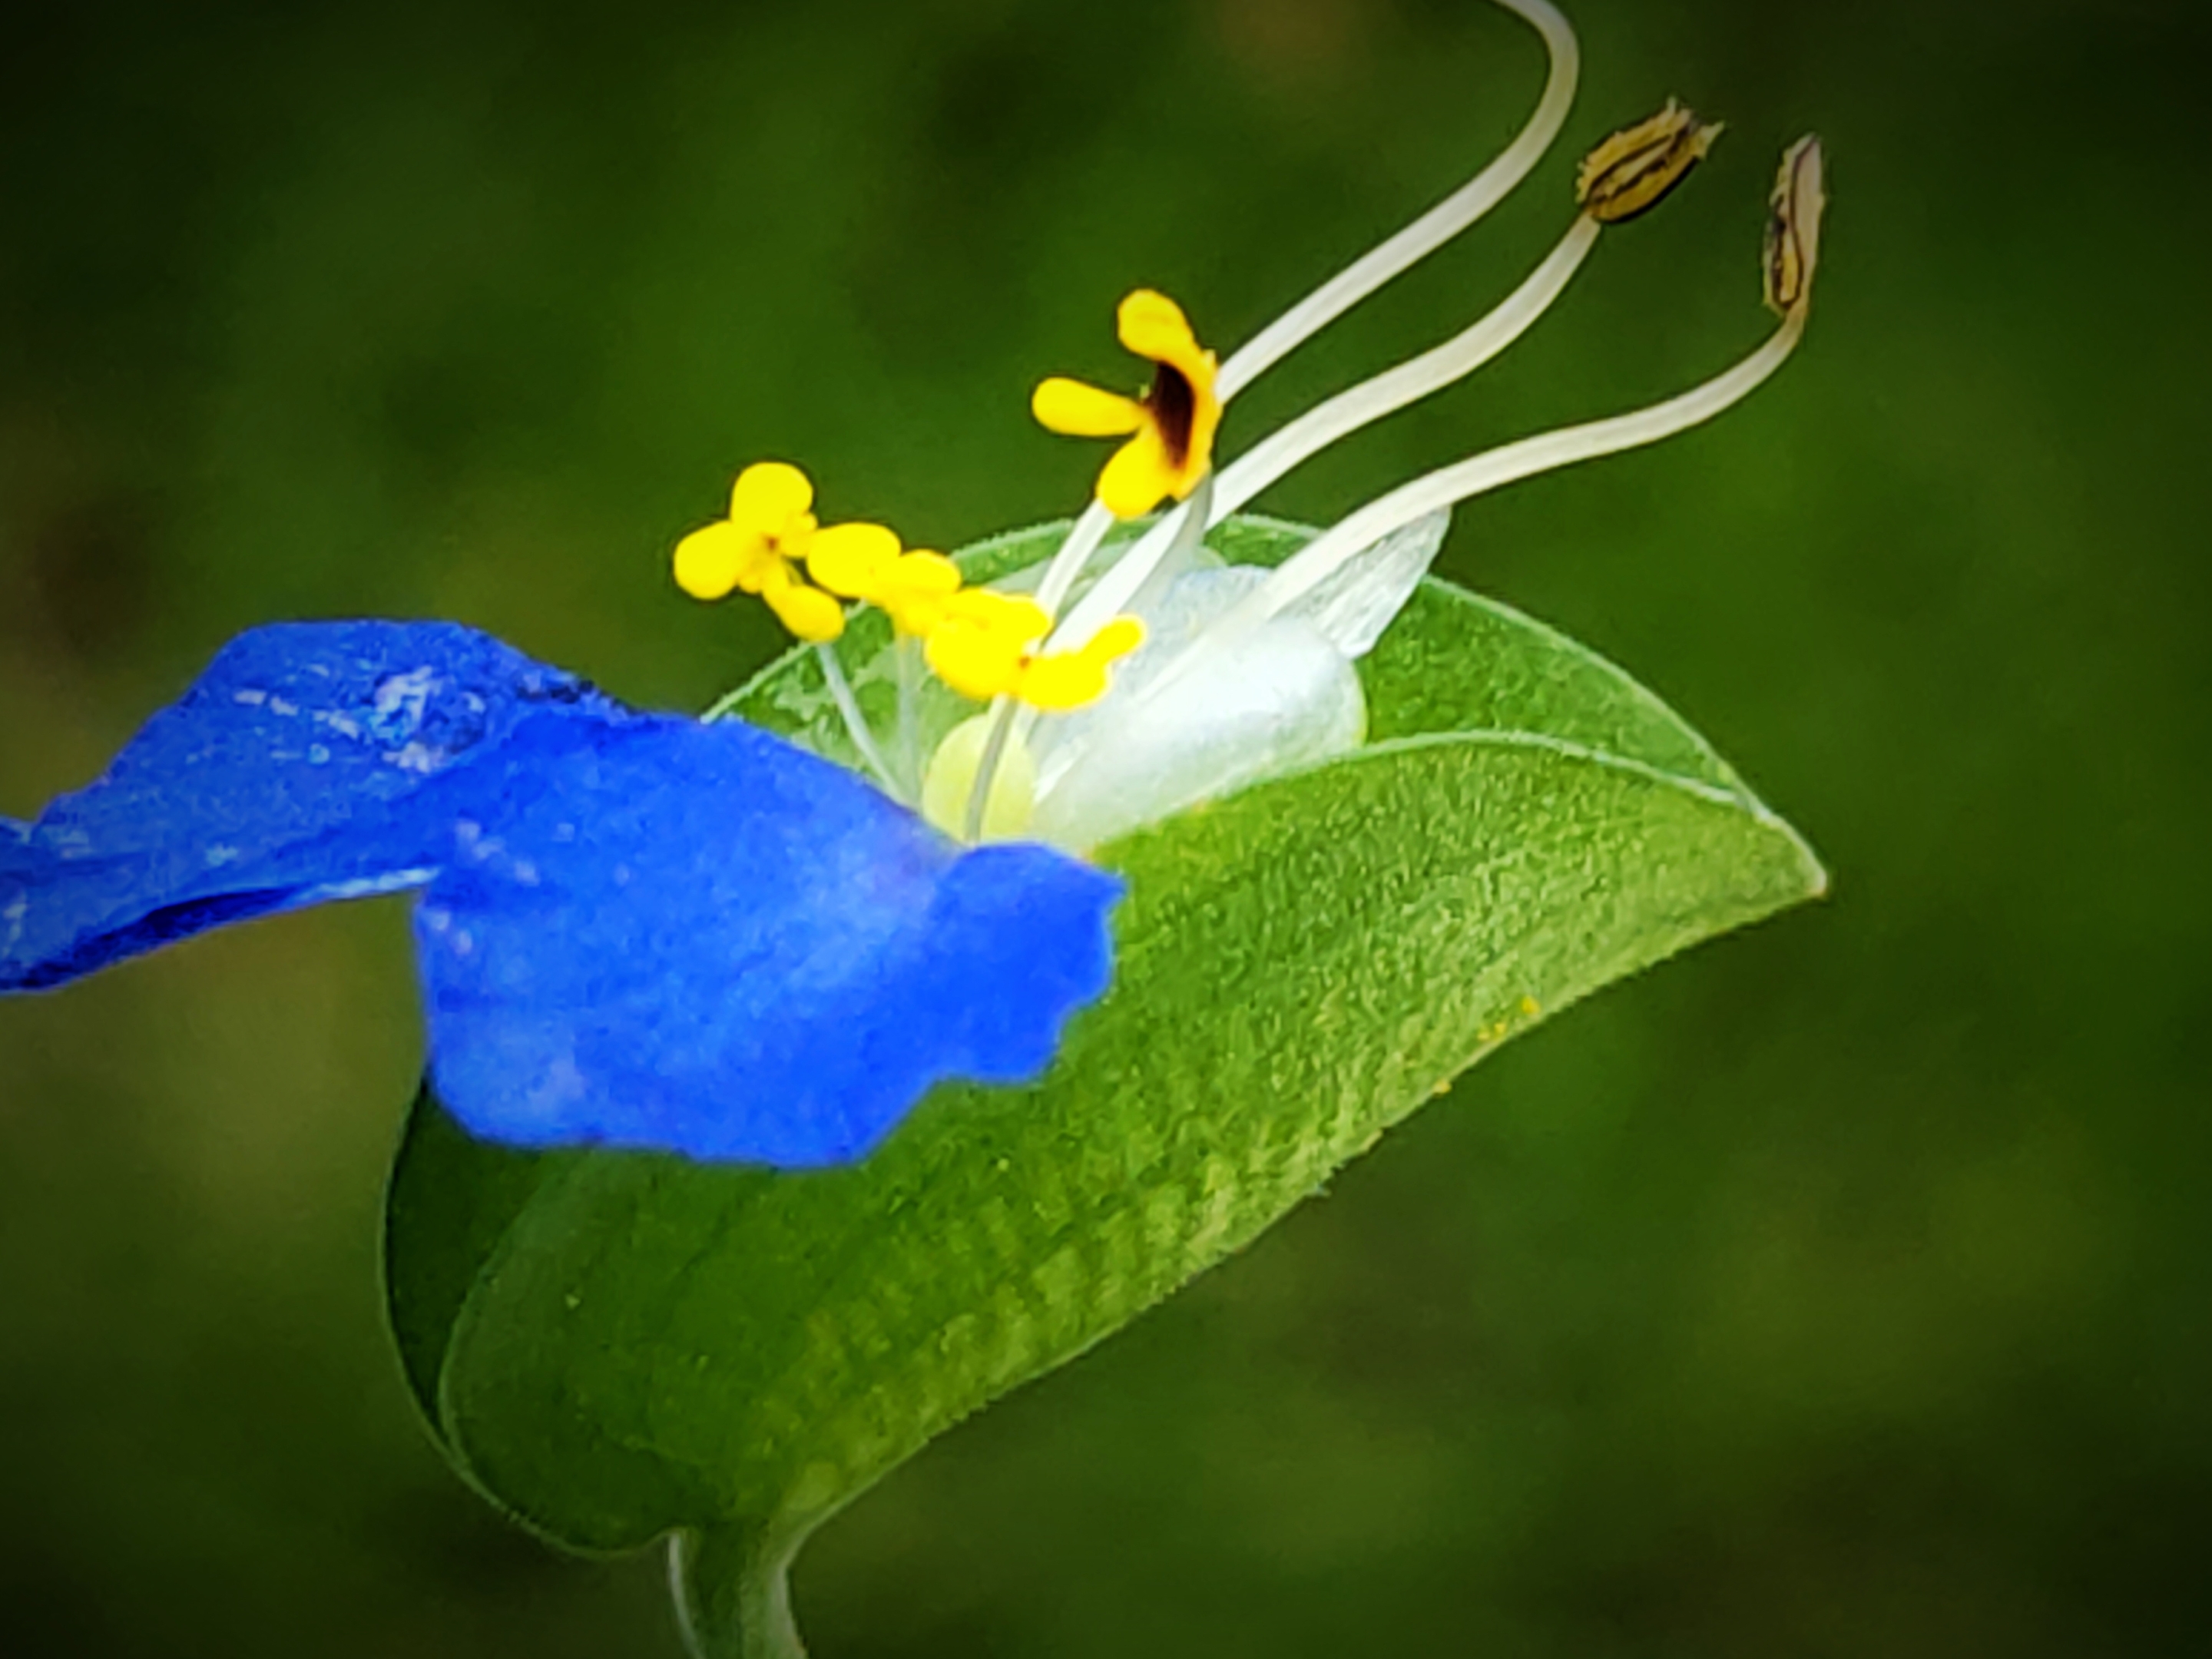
(733, 1595)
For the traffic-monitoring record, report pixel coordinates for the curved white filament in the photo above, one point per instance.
(1433, 228)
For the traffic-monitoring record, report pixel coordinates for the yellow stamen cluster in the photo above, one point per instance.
(1170, 427)
(985, 647)
(865, 561)
(982, 644)
(770, 530)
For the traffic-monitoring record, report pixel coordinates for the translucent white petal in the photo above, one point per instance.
(1352, 607)
(1286, 698)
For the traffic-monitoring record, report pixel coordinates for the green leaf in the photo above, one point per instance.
(618, 1346)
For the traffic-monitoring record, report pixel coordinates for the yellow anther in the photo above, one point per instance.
(771, 527)
(1076, 410)
(709, 561)
(850, 559)
(1633, 171)
(915, 589)
(808, 612)
(1793, 228)
(865, 561)
(1170, 428)
(771, 532)
(1069, 679)
(772, 497)
(984, 646)
(980, 642)
(769, 522)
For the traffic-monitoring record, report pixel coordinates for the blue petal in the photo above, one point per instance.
(312, 761)
(699, 938)
(639, 930)
(18, 867)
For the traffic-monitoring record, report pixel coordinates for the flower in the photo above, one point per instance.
(1170, 681)
(1243, 673)
(1173, 423)
(645, 930)
(633, 929)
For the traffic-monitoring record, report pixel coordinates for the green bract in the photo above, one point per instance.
(614, 1346)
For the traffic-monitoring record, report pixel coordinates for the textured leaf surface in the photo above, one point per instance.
(613, 1346)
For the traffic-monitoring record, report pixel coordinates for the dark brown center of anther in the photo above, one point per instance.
(1174, 405)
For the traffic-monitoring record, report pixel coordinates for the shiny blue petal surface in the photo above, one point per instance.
(698, 938)
(311, 761)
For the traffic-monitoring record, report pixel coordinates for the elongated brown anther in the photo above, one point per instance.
(1793, 227)
(1631, 172)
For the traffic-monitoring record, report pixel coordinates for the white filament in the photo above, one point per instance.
(1433, 228)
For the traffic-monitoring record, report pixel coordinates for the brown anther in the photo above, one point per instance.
(1793, 227)
(1631, 172)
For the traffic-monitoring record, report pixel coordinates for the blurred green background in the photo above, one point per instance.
(1838, 1290)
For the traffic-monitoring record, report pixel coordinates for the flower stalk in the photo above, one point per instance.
(732, 1597)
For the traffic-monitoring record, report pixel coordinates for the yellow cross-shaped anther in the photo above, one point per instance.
(1170, 428)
